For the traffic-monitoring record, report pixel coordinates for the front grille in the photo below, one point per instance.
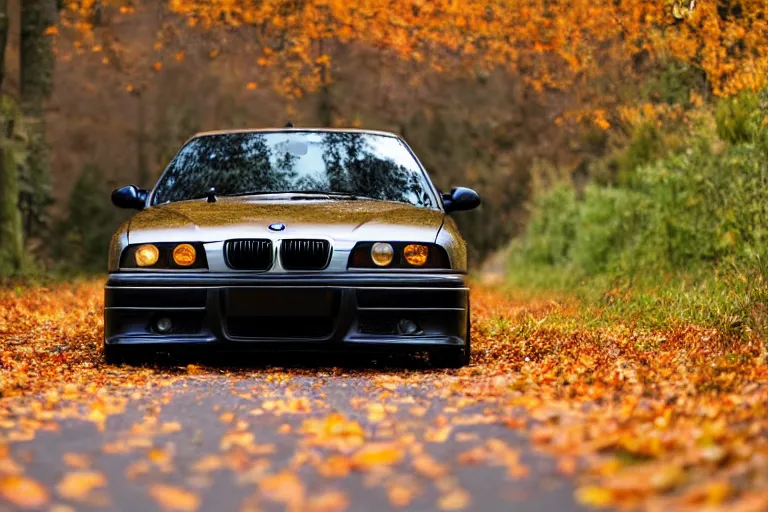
(248, 254)
(298, 254)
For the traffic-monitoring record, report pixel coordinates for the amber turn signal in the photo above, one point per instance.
(184, 255)
(416, 254)
(147, 255)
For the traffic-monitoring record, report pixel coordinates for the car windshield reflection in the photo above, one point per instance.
(352, 165)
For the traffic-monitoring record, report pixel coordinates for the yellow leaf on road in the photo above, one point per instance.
(159, 456)
(174, 499)
(594, 496)
(77, 486)
(456, 499)
(377, 454)
(76, 460)
(334, 466)
(328, 501)
(667, 478)
(429, 467)
(438, 435)
(239, 439)
(334, 431)
(23, 492)
(285, 488)
(400, 495)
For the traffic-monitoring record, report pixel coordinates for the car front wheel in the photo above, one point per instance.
(117, 354)
(113, 354)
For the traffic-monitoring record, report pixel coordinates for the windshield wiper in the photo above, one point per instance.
(323, 194)
(305, 194)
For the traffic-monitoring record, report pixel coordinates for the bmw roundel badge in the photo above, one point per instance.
(277, 226)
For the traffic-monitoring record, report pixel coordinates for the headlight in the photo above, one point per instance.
(398, 255)
(416, 254)
(184, 255)
(164, 256)
(382, 254)
(147, 255)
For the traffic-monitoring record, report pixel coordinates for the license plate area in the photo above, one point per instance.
(281, 312)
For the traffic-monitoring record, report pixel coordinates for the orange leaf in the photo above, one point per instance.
(595, 496)
(78, 485)
(455, 499)
(23, 492)
(174, 499)
(376, 454)
(283, 488)
(328, 501)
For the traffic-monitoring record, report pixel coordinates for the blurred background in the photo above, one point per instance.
(610, 140)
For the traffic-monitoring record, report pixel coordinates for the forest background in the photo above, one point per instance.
(620, 147)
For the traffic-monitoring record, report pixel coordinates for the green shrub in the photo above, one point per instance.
(674, 82)
(607, 225)
(645, 145)
(706, 207)
(740, 118)
(684, 237)
(552, 227)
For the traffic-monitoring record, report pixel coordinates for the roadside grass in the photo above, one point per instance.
(731, 299)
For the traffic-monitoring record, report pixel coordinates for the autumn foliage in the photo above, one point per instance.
(552, 44)
(661, 416)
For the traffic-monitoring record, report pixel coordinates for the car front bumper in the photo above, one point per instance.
(297, 311)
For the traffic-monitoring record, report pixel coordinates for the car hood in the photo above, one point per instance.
(200, 221)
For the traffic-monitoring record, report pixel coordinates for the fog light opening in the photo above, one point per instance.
(163, 325)
(408, 327)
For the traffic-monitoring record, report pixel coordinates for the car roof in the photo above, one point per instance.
(289, 130)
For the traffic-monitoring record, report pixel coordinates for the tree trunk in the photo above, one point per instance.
(11, 249)
(325, 105)
(36, 84)
(11, 245)
(4, 24)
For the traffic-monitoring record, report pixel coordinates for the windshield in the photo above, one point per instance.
(360, 164)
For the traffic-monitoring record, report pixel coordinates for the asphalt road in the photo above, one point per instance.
(306, 438)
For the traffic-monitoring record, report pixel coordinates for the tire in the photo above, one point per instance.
(454, 357)
(114, 354)
(118, 354)
(449, 358)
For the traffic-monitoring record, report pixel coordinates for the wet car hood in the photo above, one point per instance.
(228, 218)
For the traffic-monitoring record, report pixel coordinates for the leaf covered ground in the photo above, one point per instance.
(625, 416)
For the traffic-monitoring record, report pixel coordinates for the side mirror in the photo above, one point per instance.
(129, 197)
(461, 199)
